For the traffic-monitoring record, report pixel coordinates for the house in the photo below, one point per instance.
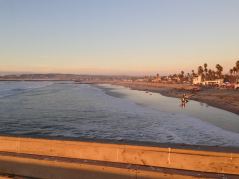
(217, 82)
(176, 79)
(156, 79)
(140, 80)
(197, 80)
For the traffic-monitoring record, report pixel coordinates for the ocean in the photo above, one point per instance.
(109, 112)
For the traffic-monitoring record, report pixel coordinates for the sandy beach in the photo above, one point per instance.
(227, 99)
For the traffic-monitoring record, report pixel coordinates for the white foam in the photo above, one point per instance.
(176, 127)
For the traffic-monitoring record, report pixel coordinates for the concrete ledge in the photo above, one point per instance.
(183, 159)
(59, 169)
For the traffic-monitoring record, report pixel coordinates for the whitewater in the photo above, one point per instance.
(66, 109)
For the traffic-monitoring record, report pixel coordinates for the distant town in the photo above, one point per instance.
(204, 76)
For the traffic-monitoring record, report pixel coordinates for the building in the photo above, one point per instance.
(156, 80)
(141, 80)
(197, 80)
(217, 82)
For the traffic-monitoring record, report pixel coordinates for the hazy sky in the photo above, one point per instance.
(117, 36)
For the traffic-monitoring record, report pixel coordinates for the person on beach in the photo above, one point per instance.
(184, 100)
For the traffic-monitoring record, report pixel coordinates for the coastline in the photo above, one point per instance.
(226, 99)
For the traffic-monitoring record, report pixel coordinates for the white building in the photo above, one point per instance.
(197, 80)
(218, 82)
(156, 80)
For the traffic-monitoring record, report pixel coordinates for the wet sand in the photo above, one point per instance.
(226, 99)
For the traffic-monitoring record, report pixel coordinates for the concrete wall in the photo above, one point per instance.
(195, 160)
(55, 169)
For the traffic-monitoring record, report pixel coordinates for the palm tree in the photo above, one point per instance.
(189, 77)
(215, 74)
(200, 70)
(182, 73)
(193, 73)
(205, 67)
(234, 70)
(205, 71)
(219, 70)
(237, 66)
(210, 74)
(181, 76)
(231, 71)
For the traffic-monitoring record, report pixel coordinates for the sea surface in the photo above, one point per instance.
(66, 109)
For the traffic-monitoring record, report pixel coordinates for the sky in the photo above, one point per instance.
(131, 37)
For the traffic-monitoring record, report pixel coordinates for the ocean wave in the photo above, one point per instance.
(84, 111)
(14, 88)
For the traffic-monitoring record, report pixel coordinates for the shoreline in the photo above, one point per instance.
(226, 99)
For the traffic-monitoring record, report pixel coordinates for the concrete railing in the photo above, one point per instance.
(185, 159)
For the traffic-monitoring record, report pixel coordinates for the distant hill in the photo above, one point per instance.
(62, 77)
